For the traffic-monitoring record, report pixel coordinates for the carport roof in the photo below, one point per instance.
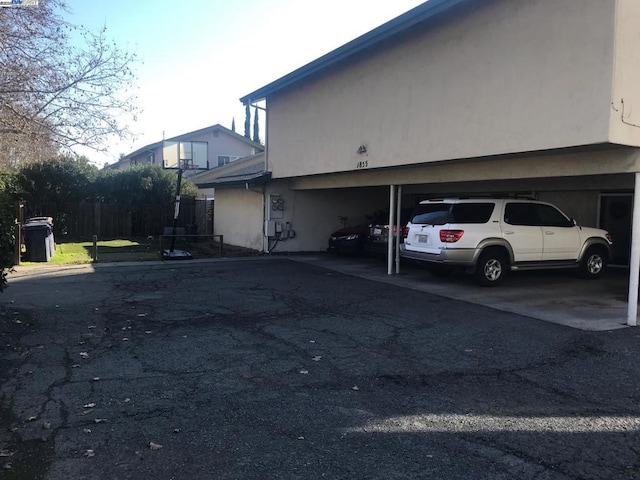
(250, 175)
(372, 40)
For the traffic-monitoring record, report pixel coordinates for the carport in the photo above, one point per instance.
(582, 194)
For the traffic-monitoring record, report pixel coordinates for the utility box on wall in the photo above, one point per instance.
(276, 207)
(273, 228)
(270, 228)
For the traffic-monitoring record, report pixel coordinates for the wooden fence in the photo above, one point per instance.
(115, 221)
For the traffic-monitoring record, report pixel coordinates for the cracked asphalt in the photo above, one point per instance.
(271, 368)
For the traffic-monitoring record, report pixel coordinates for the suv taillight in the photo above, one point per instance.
(405, 232)
(450, 236)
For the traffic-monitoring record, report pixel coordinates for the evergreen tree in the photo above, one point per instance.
(233, 124)
(256, 126)
(247, 121)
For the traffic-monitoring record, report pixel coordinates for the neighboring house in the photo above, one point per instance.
(199, 150)
(536, 97)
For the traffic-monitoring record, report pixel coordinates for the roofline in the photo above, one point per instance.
(217, 126)
(261, 179)
(369, 40)
(150, 147)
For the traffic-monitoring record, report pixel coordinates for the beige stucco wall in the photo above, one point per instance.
(238, 216)
(514, 76)
(564, 163)
(625, 99)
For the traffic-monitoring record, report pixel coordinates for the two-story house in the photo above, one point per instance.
(536, 97)
(195, 151)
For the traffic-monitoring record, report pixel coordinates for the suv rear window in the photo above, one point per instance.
(441, 213)
(431, 214)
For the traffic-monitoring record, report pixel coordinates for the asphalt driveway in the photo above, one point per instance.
(270, 368)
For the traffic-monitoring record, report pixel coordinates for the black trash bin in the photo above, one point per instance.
(38, 240)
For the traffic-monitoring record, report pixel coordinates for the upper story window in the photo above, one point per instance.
(189, 155)
(224, 159)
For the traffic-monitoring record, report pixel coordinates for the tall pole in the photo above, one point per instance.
(398, 231)
(17, 247)
(634, 264)
(392, 222)
(176, 210)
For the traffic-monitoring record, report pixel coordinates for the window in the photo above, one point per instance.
(535, 214)
(551, 217)
(434, 214)
(224, 159)
(471, 212)
(518, 214)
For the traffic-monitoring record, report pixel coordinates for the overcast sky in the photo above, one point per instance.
(198, 57)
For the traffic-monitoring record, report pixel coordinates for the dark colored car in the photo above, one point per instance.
(378, 231)
(349, 240)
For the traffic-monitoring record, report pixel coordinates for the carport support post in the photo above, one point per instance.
(634, 264)
(398, 231)
(392, 222)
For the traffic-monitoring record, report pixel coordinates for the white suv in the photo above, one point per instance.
(492, 236)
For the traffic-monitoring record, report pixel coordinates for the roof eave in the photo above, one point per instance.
(262, 179)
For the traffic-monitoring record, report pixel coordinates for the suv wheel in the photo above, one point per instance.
(593, 263)
(492, 268)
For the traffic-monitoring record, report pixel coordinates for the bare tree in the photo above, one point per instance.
(61, 86)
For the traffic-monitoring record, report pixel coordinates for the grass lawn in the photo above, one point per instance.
(119, 250)
(69, 252)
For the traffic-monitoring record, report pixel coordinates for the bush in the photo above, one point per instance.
(8, 197)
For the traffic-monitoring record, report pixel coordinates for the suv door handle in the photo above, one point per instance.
(549, 232)
(508, 232)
